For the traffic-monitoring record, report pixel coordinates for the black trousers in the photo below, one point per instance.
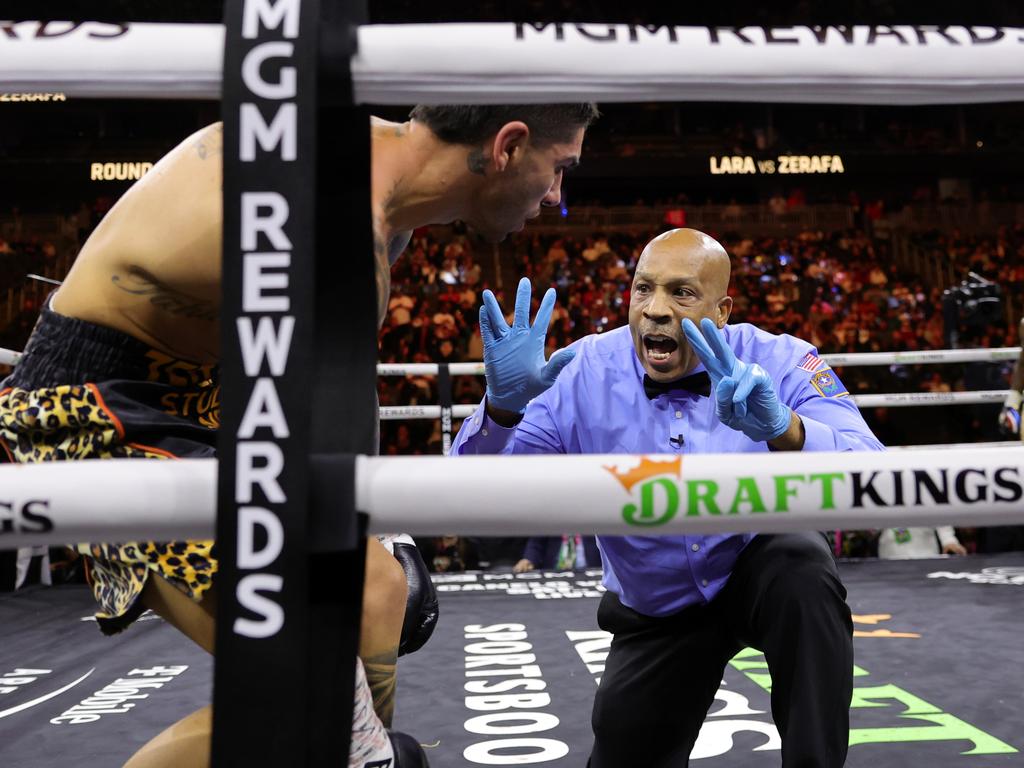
(784, 598)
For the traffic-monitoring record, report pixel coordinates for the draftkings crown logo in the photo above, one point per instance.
(659, 494)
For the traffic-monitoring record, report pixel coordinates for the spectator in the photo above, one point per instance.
(568, 552)
(911, 543)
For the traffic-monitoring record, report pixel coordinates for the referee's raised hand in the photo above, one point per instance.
(514, 354)
(745, 397)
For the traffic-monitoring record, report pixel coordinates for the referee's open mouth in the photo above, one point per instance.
(660, 351)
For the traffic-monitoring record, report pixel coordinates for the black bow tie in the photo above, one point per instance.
(698, 383)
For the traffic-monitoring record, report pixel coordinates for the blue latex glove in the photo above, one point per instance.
(745, 397)
(514, 356)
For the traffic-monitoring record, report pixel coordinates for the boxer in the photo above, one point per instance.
(123, 363)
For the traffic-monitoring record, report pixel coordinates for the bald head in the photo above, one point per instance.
(695, 252)
(682, 273)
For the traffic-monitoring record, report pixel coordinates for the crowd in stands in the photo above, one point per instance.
(998, 257)
(20, 257)
(25, 252)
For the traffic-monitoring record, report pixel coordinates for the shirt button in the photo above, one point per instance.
(477, 421)
(484, 431)
(704, 582)
(679, 414)
(695, 547)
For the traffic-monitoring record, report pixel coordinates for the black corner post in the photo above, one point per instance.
(298, 376)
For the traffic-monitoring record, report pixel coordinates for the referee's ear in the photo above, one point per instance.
(723, 310)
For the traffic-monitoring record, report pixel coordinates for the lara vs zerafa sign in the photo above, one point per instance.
(782, 164)
(32, 97)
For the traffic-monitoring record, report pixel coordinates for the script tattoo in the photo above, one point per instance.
(477, 162)
(164, 297)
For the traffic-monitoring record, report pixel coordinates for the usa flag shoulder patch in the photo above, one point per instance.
(810, 363)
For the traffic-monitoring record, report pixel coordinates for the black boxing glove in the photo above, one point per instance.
(421, 609)
(408, 752)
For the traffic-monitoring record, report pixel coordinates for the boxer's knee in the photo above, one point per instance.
(386, 589)
(384, 597)
(187, 742)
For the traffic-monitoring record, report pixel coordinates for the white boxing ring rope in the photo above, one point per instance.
(891, 400)
(956, 446)
(9, 357)
(504, 62)
(130, 499)
(850, 360)
(836, 359)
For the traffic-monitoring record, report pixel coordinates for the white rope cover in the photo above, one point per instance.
(129, 499)
(160, 500)
(922, 357)
(429, 369)
(849, 360)
(957, 446)
(895, 400)
(99, 60)
(504, 62)
(903, 399)
(401, 412)
(890, 400)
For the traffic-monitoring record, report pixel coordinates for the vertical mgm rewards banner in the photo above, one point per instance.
(269, 112)
(298, 373)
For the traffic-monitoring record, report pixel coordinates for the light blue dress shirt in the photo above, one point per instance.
(598, 405)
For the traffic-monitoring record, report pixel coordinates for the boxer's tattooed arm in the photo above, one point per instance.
(382, 674)
(398, 244)
(163, 297)
(382, 269)
(386, 127)
(386, 253)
